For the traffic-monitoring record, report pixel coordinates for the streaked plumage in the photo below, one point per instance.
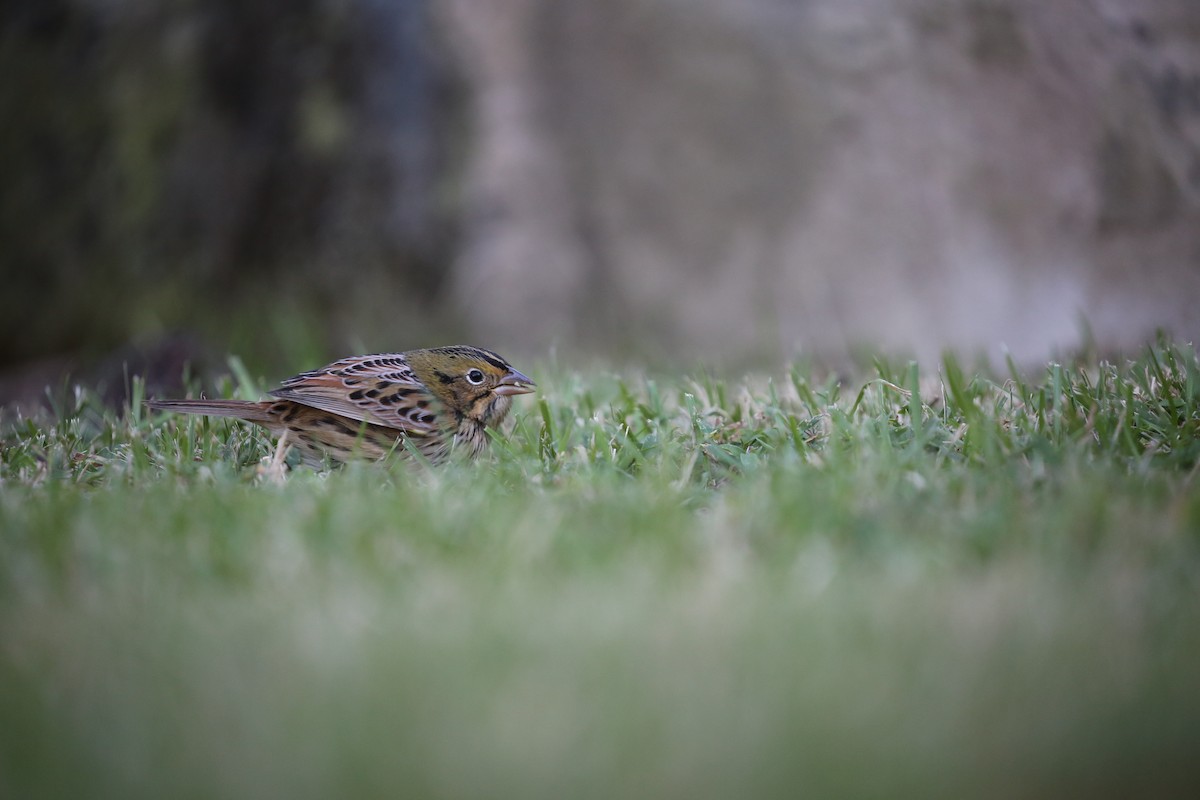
(433, 401)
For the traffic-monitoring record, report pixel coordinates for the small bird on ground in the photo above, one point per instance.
(433, 401)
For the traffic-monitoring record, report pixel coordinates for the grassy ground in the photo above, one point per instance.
(671, 587)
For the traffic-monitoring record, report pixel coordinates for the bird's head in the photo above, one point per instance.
(470, 381)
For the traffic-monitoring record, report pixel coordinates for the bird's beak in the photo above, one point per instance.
(514, 383)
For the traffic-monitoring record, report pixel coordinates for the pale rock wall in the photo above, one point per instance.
(708, 178)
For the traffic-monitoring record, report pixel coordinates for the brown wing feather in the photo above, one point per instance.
(379, 389)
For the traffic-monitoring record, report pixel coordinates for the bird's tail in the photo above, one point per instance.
(238, 409)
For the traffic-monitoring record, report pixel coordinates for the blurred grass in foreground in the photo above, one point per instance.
(923, 583)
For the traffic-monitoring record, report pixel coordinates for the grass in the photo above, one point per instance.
(919, 583)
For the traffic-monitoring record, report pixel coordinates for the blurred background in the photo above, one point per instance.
(679, 181)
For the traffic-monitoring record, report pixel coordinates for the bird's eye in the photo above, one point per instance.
(475, 377)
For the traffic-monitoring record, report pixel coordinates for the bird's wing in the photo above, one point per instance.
(378, 389)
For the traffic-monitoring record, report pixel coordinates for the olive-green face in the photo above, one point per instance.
(474, 383)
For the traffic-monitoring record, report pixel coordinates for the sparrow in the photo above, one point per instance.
(432, 401)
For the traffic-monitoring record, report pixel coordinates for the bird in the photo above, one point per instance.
(431, 401)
